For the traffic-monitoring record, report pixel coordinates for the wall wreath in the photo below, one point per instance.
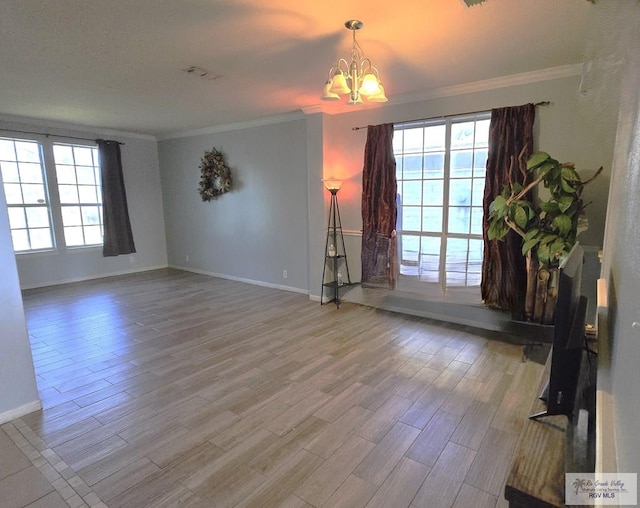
(215, 175)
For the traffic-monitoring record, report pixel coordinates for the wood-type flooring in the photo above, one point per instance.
(169, 388)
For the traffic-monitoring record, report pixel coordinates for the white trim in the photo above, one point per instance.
(524, 78)
(49, 124)
(93, 277)
(240, 279)
(215, 129)
(18, 412)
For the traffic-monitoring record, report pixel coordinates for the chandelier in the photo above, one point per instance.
(357, 78)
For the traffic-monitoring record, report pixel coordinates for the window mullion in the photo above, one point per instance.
(445, 206)
(54, 196)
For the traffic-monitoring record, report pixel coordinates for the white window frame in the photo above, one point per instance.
(52, 192)
(432, 283)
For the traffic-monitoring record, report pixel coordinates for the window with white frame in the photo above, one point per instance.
(25, 188)
(78, 176)
(440, 170)
(53, 192)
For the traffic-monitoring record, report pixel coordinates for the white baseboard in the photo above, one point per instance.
(240, 279)
(17, 412)
(92, 277)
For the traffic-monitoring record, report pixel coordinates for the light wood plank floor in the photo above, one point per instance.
(170, 388)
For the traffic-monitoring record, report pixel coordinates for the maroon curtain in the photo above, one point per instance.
(503, 267)
(379, 211)
(118, 237)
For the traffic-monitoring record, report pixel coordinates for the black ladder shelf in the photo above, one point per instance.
(335, 260)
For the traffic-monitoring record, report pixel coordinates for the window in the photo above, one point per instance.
(78, 175)
(23, 176)
(440, 169)
(53, 191)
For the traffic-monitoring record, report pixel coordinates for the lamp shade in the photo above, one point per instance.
(370, 85)
(380, 96)
(355, 98)
(327, 94)
(332, 184)
(339, 83)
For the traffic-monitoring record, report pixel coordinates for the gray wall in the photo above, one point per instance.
(617, 56)
(259, 229)
(18, 394)
(144, 197)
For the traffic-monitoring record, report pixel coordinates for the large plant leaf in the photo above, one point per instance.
(497, 230)
(536, 159)
(565, 202)
(498, 206)
(562, 223)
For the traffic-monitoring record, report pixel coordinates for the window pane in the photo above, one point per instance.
(20, 239)
(65, 174)
(37, 217)
(27, 151)
(432, 219)
(433, 192)
(476, 220)
(434, 137)
(17, 219)
(87, 194)
(40, 238)
(430, 259)
(460, 192)
(83, 156)
(462, 135)
(480, 164)
(68, 194)
(71, 216)
(434, 165)
(413, 140)
(411, 192)
(478, 192)
(7, 150)
(461, 163)
(73, 236)
(459, 220)
(482, 133)
(409, 248)
(411, 220)
(33, 193)
(93, 235)
(13, 193)
(9, 172)
(90, 215)
(30, 172)
(85, 175)
(63, 154)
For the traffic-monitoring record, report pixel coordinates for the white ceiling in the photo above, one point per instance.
(118, 64)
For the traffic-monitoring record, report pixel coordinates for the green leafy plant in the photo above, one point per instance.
(548, 228)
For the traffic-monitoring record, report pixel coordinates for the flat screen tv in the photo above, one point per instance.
(567, 348)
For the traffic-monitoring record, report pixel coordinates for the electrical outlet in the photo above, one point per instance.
(186, 259)
(284, 274)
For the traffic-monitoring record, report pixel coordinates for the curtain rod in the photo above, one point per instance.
(541, 103)
(47, 135)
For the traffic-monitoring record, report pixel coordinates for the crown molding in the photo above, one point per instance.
(524, 78)
(215, 129)
(51, 124)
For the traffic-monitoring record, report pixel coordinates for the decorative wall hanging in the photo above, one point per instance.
(215, 175)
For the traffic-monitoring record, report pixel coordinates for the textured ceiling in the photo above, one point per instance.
(118, 64)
